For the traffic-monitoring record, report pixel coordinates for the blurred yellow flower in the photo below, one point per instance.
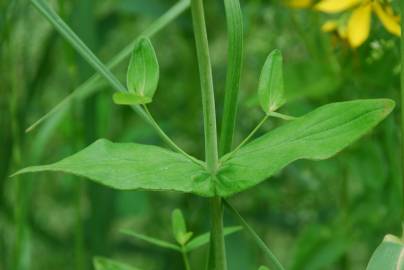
(356, 28)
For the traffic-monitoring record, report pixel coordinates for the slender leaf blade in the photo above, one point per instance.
(318, 135)
(388, 256)
(130, 166)
(143, 70)
(204, 239)
(153, 241)
(270, 86)
(101, 263)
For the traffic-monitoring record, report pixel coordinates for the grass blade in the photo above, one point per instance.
(94, 82)
(261, 244)
(234, 19)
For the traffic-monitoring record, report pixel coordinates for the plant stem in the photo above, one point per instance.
(185, 258)
(209, 117)
(247, 138)
(402, 104)
(176, 147)
(270, 256)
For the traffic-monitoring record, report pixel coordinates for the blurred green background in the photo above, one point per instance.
(314, 215)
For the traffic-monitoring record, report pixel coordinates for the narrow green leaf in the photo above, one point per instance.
(270, 86)
(234, 22)
(179, 227)
(143, 70)
(101, 263)
(318, 135)
(126, 98)
(203, 239)
(153, 241)
(130, 166)
(389, 255)
(262, 267)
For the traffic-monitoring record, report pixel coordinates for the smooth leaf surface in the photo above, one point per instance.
(152, 240)
(388, 256)
(126, 98)
(318, 135)
(130, 166)
(143, 70)
(204, 239)
(270, 86)
(101, 263)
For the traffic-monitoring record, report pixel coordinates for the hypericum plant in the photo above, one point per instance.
(226, 171)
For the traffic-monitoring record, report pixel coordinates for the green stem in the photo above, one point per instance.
(246, 139)
(175, 147)
(282, 116)
(209, 117)
(402, 103)
(185, 259)
(270, 256)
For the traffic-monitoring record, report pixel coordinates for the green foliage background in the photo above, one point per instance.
(314, 215)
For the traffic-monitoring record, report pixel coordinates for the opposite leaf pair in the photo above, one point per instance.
(142, 76)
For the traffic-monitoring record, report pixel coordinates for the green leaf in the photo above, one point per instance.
(101, 263)
(143, 70)
(203, 239)
(130, 166)
(389, 255)
(263, 268)
(270, 86)
(318, 135)
(179, 227)
(153, 241)
(126, 98)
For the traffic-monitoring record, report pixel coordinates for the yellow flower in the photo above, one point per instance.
(357, 28)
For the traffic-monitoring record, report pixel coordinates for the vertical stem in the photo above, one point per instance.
(402, 103)
(185, 259)
(209, 113)
(205, 74)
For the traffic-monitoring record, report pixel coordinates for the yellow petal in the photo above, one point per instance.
(388, 19)
(329, 26)
(359, 25)
(335, 6)
(298, 3)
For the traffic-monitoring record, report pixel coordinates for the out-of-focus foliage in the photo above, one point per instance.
(326, 215)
